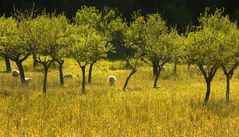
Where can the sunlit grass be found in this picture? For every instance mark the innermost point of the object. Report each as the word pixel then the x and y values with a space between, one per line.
pixel 174 109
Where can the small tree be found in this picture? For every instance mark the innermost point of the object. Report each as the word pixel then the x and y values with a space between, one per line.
pixel 160 44
pixel 229 49
pixel 13 43
pixel 83 41
pixel 204 47
pixel 23 16
pixel 92 17
pixel 178 51
pixel 61 42
pixel 155 28
pixel 133 46
pixel 44 33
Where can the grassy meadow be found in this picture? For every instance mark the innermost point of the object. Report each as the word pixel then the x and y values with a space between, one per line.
pixel 174 109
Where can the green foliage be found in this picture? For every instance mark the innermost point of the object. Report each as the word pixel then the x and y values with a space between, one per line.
pixel 203 47
pixel 213 41
pixel 86 44
pixel 12 39
pixel 159 41
pixel 88 16
pixel 47 35
pixel 99 37
pixel 133 43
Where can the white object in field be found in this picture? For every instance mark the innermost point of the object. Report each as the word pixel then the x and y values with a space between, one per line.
pixel 163 68
pixel 112 80
pixel 28 80
pixel 15 73
pixel 68 76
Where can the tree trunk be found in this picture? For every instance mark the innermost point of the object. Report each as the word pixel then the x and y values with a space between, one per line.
pixel 34 60
pixel 45 77
pixel 83 79
pixel 155 63
pixel 228 88
pixel 21 70
pixel 90 73
pixel 208 91
pixel 189 65
pixel 156 78
pixel 175 68
pixel 127 80
pixel 228 75
pixel 8 65
pixel 61 72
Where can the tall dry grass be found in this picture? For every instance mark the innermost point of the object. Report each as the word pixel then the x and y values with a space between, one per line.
pixel 174 109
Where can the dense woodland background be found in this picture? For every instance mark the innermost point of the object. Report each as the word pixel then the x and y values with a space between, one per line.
pixel 176 12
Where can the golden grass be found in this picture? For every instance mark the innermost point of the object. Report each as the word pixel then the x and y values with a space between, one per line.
pixel 174 109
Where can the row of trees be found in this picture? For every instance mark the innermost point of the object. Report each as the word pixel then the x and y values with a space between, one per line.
pixel 212 45
pixel 50 37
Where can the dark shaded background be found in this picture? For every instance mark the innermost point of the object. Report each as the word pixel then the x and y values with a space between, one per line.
pixel 175 12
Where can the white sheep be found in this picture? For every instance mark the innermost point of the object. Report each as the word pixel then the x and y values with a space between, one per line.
pixel 68 76
pixel 112 80
pixel 15 73
pixel 28 80
pixel 163 68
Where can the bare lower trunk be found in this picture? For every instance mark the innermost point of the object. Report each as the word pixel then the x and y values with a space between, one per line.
pixel 45 78
pixel 155 63
pixel 189 65
pixel 175 68
pixel 21 70
pixel 228 74
pixel 228 88
pixel 208 74
pixel 208 91
pixel 8 65
pixel 156 79
pixel 34 60
pixel 127 80
pixel 90 73
pixel 61 73
pixel 83 79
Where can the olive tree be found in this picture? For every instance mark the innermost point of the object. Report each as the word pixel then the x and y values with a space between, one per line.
pixel 204 47
pixel 230 53
pixel 99 20
pixel 83 41
pixel 160 43
pixel 13 43
pixel 45 34
pixel 155 29
pixel 133 45
pixel 62 32
pixel 229 39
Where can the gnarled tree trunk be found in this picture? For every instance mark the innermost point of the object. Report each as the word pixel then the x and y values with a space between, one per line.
pixel 228 75
pixel 34 56
pixel 61 71
pixel 155 63
pixel 208 76
pixel 21 70
pixel 207 91
pixel 157 76
pixel 83 79
pixel 127 80
pixel 90 73
pixel 45 78
pixel 8 64
pixel 175 67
